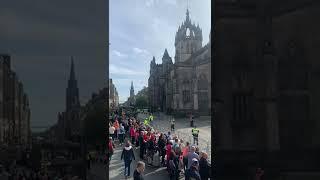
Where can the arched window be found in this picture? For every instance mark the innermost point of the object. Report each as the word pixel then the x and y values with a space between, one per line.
pixel 186 94
pixel 188 32
pixel 202 82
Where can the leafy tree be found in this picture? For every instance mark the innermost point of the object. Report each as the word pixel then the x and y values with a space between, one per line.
pixel 142 98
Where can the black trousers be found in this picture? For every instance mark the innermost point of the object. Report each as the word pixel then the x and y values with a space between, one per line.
pixel 141 151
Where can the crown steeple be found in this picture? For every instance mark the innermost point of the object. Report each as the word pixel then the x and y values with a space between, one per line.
pixel 187 15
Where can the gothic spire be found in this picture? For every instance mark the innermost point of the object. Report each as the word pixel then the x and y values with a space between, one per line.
pixel 72 73
pixel 187 18
pixel 165 54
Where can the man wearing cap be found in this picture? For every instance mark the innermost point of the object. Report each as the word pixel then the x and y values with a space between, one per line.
pixel 193 171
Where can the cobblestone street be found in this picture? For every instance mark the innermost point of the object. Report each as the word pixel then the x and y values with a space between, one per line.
pixel 116 168
pixel 183 129
pixel 161 123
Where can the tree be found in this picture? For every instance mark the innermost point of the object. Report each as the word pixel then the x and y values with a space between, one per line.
pixel 141 102
pixel 142 98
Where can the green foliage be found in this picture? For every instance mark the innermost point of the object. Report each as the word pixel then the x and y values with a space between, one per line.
pixel 142 99
pixel 141 102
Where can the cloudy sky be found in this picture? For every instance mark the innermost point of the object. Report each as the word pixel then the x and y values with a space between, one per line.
pixel 41 35
pixel 141 29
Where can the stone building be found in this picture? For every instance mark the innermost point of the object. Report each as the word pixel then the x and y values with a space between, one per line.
pixel 185 85
pixel 14 107
pixel 266 83
pixel 113 95
pixel 69 121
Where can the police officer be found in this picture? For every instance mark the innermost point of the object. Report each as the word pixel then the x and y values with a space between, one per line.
pixel 150 119
pixel 195 134
pixel 146 122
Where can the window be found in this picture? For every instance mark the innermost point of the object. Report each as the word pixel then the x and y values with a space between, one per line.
pixel 202 82
pixel 242 108
pixel 186 96
pixel 188 32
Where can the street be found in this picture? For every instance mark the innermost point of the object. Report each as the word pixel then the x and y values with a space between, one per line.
pixel 116 168
pixel 183 129
pixel 161 123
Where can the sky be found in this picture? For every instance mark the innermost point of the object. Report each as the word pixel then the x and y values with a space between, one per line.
pixel 141 29
pixel 41 35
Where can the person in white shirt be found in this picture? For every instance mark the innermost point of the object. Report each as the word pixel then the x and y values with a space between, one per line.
pixel 111 131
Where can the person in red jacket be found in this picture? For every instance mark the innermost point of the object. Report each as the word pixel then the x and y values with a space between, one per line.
pixel 145 140
pixel 168 151
pixel 136 137
pixel 132 134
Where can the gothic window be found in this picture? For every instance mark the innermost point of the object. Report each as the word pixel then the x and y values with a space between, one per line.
pixel 242 107
pixel 186 96
pixel 202 82
pixel 188 32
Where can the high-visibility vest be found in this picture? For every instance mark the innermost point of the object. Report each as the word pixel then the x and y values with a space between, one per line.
pixel 151 118
pixel 146 122
pixel 195 131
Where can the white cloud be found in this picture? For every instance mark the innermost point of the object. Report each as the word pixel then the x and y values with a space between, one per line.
pixel 118 70
pixel 119 54
pixel 150 3
pixel 139 51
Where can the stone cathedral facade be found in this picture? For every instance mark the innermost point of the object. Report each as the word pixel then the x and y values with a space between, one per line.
pixel 266 83
pixel 183 86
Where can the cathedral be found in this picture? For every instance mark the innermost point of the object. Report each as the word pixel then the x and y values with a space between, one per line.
pixel 266 86
pixel 183 86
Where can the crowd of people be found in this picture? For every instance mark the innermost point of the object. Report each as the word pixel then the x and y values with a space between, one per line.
pixel 157 149
pixel 15 173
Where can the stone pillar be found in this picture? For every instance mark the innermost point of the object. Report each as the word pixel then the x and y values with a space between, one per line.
pixel 272 122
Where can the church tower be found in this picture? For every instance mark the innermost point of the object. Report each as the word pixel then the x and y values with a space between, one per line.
pixel 131 90
pixel 166 62
pixel 72 113
pixel 152 65
pixel 72 90
pixel 188 39
pixel 131 98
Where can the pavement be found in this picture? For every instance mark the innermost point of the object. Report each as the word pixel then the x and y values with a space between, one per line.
pixel 116 168
pixel 161 123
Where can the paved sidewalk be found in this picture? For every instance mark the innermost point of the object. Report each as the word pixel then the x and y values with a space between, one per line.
pixel 116 168
pixel 183 129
